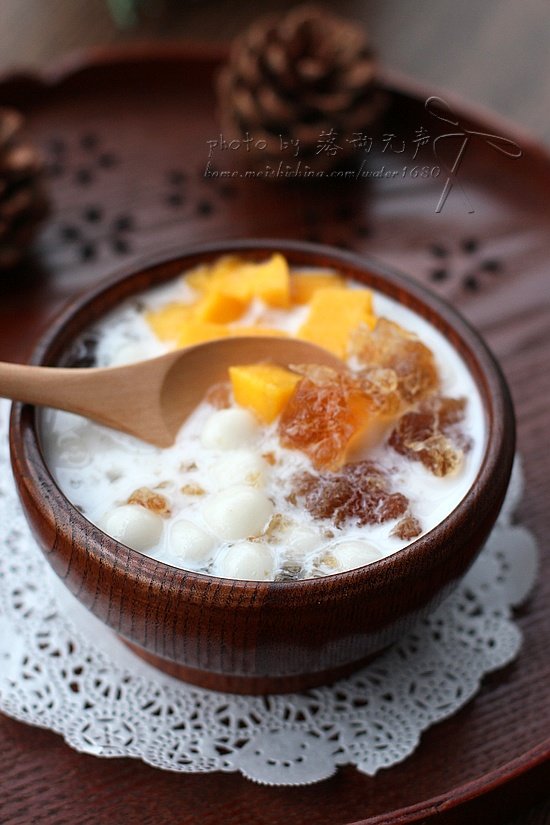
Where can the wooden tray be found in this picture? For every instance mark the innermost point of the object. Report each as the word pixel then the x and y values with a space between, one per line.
pixel 125 133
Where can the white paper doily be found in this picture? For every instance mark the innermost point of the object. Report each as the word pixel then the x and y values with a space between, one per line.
pixel 60 668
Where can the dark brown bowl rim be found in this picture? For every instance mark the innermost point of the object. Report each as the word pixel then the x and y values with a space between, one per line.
pixel 500 424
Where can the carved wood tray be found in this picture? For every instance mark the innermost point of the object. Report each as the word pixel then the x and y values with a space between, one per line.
pixel 126 133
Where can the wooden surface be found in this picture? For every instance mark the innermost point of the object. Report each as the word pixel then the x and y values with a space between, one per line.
pixel 492 264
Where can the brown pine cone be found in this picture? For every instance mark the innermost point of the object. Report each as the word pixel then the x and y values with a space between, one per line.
pixel 23 203
pixel 309 77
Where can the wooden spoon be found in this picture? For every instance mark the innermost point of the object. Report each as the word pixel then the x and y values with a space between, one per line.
pixel 151 399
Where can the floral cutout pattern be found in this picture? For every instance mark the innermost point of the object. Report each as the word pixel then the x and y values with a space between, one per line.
pixel 83 162
pixel 189 194
pixel 93 229
pixel 465 264
pixel 175 195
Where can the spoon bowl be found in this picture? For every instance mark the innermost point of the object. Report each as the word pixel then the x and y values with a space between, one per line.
pixel 151 399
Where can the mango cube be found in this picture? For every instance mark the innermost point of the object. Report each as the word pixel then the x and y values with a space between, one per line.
pixel 213 308
pixel 269 281
pixel 219 308
pixel 334 313
pixel 239 280
pixel 203 278
pixel 304 285
pixel 198 278
pixel 196 332
pixel 166 323
pixel 263 388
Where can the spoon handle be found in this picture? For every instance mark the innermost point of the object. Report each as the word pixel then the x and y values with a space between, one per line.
pixel 119 397
pixel 74 390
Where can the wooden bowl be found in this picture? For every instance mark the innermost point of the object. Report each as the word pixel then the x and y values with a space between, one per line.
pixel 262 637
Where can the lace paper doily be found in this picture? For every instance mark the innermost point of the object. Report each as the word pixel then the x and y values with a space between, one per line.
pixel 60 668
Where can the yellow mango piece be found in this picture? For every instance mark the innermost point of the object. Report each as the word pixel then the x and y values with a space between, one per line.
pixel 224 265
pixel 167 322
pixel 196 332
pixel 220 308
pixel 206 277
pixel 303 285
pixel 199 278
pixel 255 331
pixel 269 281
pixel 263 388
pixel 242 281
pixel 334 313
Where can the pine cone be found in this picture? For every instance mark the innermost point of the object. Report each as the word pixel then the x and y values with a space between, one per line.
pixel 309 77
pixel 23 203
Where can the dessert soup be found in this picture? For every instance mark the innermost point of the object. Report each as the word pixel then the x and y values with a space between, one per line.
pixel 279 474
